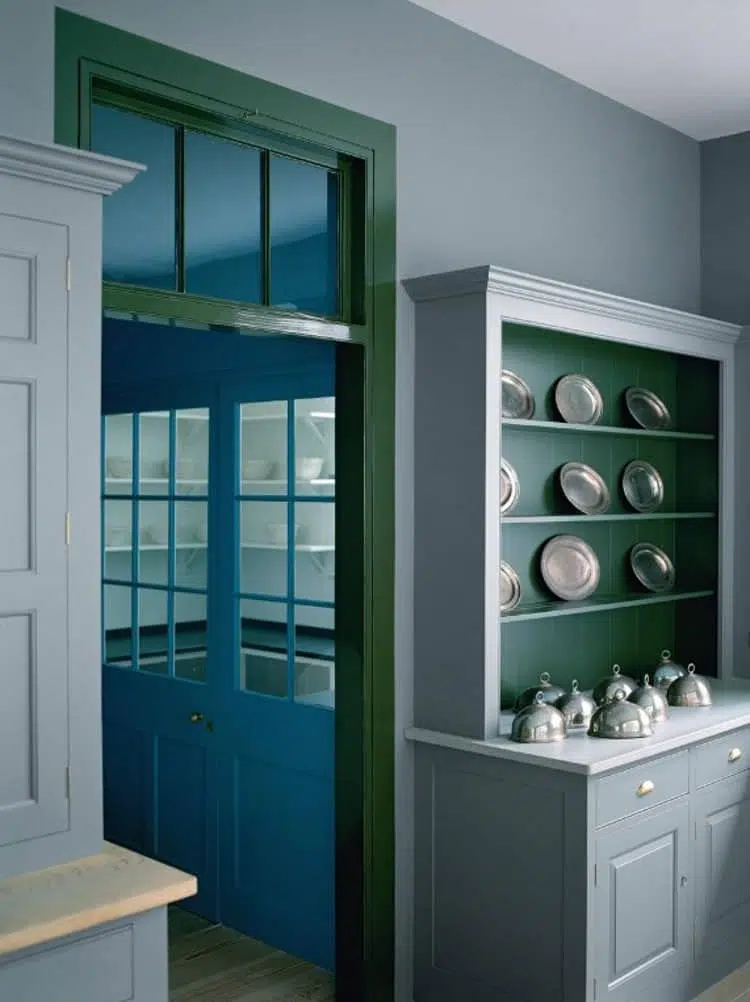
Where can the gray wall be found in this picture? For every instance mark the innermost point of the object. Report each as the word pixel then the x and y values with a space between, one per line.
pixel 500 161
pixel 725 294
pixel 725 228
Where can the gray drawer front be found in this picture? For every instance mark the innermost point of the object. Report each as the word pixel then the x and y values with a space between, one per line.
pixel 641 787
pixel 95 969
pixel 721 757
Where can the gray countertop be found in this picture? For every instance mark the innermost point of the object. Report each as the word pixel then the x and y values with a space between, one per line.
pixel 592 756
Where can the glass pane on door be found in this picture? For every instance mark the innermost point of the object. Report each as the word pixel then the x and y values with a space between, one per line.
pixel 263 647
pixel 285 548
pixel 165 522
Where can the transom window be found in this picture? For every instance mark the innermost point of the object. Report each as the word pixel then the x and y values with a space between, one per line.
pixel 223 212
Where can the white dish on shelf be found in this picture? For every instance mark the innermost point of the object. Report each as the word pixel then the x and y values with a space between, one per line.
pixel 258 469
pixel 119 535
pixel 119 467
pixel 308 467
pixel 278 533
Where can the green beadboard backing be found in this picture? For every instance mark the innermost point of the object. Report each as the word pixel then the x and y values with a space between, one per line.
pixel 585 646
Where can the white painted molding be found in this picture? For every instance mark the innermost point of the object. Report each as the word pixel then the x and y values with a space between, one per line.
pixel 65 166
pixel 518 285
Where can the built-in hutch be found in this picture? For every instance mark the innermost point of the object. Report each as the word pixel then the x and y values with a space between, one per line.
pixel 80 920
pixel 590 869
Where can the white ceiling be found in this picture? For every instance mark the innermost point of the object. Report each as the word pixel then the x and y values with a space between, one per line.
pixel 683 62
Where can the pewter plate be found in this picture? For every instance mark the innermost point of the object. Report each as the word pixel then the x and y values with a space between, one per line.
pixel 510 588
pixel 510 489
pixel 584 488
pixel 570 568
pixel 578 400
pixel 646 409
pixel 642 486
pixel 517 398
pixel 652 567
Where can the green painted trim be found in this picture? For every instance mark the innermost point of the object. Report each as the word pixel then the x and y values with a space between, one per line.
pixel 86 51
pixel 169 304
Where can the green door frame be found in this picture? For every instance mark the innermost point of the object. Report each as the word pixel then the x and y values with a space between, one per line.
pixel 87 51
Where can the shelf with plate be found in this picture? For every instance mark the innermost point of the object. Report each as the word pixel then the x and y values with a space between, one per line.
pixel 531 424
pixel 596 604
pixel 658 516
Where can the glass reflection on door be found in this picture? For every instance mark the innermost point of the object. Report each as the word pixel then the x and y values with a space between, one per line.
pixel 155 542
pixel 285 545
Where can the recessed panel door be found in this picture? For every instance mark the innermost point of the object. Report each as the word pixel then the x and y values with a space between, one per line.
pixel 277 735
pixel 159 690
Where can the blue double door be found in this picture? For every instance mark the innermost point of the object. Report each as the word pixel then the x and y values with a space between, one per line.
pixel 218 642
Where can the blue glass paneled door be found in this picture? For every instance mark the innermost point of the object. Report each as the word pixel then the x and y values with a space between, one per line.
pixel 218 590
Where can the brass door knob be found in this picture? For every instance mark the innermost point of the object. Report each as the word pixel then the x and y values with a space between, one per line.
pixel 735 755
pixel 645 788
pixel 196 718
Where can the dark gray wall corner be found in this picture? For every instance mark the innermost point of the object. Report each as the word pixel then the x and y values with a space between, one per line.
pixel 725 228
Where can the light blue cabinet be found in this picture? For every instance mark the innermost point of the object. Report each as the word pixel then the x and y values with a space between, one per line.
pixel 123 961
pixel 722 877
pixel 552 873
pixel 50 316
pixel 642 914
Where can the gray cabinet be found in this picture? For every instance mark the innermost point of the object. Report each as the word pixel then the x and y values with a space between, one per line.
pixel 540 875
pixel 50 320
pixel 722 877
pixel 642 913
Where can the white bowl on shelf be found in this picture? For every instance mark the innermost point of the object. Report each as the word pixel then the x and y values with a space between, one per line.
pixel 119 468
pixel 258 469
pixel 277 533
pixel 308 467
pixel 118 535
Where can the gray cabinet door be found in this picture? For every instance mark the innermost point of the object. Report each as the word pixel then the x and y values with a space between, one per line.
pixel 722 870
pixel 33 551
pixel 642 907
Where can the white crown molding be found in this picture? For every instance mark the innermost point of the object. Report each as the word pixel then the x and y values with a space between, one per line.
pixel 520 286
pixel 65 166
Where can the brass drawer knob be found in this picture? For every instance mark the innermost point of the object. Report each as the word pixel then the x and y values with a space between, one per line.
pixel 646 786
pixel 735 754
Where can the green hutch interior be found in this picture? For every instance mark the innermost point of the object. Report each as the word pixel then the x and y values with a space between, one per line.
pixel 621 623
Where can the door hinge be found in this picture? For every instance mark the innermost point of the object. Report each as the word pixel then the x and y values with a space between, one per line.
pixel 67 528
pixel 595 988
pixel 67 782
pixel 67 274
pixel 596 875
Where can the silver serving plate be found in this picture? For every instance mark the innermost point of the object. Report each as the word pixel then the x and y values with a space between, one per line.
pixel 510 489
pixel 584 488
pixel 517 398
pixel 510 588
pixel 578 400
pixel 652 567
pixel 570 568
pixel 646 409
pixel 642 486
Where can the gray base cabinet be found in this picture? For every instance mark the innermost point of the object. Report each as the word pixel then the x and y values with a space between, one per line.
pixel 119 962
pixel 537 882
pixel 642 907
pixel 722 877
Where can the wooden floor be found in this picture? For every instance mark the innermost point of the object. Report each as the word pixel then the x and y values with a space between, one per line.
pixel 210 963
